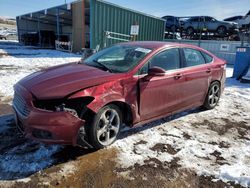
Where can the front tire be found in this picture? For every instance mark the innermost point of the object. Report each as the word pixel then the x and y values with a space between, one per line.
pixel 190 31
pixel 222 30
pixel 105 127
pixel 213 96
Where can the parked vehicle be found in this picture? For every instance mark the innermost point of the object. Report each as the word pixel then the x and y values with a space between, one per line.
pixel 6 33
pixel 176 36
pixel 208 24
pixel 172 23
pixel 86 103
pixel 242 21
pixel 2 37
pixel 236 19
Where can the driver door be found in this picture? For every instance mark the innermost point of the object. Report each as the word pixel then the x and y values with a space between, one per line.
pixel 211 23
pixel 160 95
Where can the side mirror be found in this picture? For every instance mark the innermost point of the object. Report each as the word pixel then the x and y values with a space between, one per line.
pixel 156 71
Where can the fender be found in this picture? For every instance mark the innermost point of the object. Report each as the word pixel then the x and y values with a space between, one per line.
pixel 115 91
pixel 102 94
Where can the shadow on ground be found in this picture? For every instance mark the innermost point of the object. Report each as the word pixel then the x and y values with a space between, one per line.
pixel 20 157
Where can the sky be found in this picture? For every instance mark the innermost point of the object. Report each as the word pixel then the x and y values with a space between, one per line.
pixel 219 9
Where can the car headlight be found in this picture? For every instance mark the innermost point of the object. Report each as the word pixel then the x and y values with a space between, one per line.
pixel 74 106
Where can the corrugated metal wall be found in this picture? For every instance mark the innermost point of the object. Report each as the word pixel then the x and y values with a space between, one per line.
pixel 222 49
pixel 77 26
pixel 25 26
pixel 105 16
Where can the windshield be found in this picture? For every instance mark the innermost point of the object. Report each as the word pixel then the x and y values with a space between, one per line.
pixel 117 59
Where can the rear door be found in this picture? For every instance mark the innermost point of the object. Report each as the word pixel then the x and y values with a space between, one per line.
pixel 198 23
pixel 197 77
pixel 161 95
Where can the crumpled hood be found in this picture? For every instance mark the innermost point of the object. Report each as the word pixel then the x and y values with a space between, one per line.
pixel 60 81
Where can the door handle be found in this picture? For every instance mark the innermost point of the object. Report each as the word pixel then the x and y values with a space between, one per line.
pixel 178 76
pixel 209 70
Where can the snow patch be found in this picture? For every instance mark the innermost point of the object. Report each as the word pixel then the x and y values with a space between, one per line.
pixel 21 162
pixel 22 61
pixel 207 142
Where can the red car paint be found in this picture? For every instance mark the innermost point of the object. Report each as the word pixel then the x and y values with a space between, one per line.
pixel 147 99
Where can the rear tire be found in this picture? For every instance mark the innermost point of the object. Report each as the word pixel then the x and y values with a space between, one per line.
pixel 213 96
pixel 105 127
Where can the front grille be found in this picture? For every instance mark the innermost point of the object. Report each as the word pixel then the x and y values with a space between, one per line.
pixel 20 105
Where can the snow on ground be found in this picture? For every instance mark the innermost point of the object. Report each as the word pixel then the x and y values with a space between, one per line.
pixel 18 157
pixel 18 62
pixel 213 143
pixel 14 162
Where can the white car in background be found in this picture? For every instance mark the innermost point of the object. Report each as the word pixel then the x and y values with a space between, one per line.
pixel 6 33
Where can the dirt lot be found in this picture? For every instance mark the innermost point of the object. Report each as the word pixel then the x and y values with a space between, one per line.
pixel 77 167
pixel 195 148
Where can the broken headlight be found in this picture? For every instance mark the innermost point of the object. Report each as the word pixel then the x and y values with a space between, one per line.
pixel 75 106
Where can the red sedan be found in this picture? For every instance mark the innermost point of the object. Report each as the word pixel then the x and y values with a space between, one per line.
pixel 86 103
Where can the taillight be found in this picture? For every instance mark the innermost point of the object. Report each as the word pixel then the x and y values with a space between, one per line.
pixel 224 66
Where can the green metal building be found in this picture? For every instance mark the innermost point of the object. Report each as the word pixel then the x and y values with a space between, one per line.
pixel 86 24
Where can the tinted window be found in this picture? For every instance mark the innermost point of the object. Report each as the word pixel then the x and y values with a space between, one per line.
pixel 208 58
pixel 197 19
pixel 168 60
pixel 193 57
pixel 170 19
pixel 194 19
pixel 208 19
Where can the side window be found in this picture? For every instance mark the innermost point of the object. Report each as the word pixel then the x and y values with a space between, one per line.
pixel 171 19
pixel 193 57
pixel 208 58
pixel 194 19
pixel 168 60
pixel 208 19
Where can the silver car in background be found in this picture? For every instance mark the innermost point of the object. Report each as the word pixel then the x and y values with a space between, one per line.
pixel 208 24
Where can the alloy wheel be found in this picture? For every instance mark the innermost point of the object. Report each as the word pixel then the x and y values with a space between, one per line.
pixel 214 95
pixel 108 127
pixel 221 30
pixel 190 31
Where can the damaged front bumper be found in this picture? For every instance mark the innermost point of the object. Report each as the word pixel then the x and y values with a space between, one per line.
pixel 46 126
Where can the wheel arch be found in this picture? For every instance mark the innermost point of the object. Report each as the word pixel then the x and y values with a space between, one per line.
pixel 221 26
pixel 215 81
pixel 226 28
pixel 127 115
pixel 190 27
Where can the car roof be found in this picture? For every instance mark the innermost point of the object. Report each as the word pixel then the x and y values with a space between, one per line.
pixel 168 16
pixel 199 16
pixel 157 44
pixel 233 18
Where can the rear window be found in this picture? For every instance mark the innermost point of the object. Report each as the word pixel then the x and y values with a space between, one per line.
pixel 207 57
pixel 193 57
